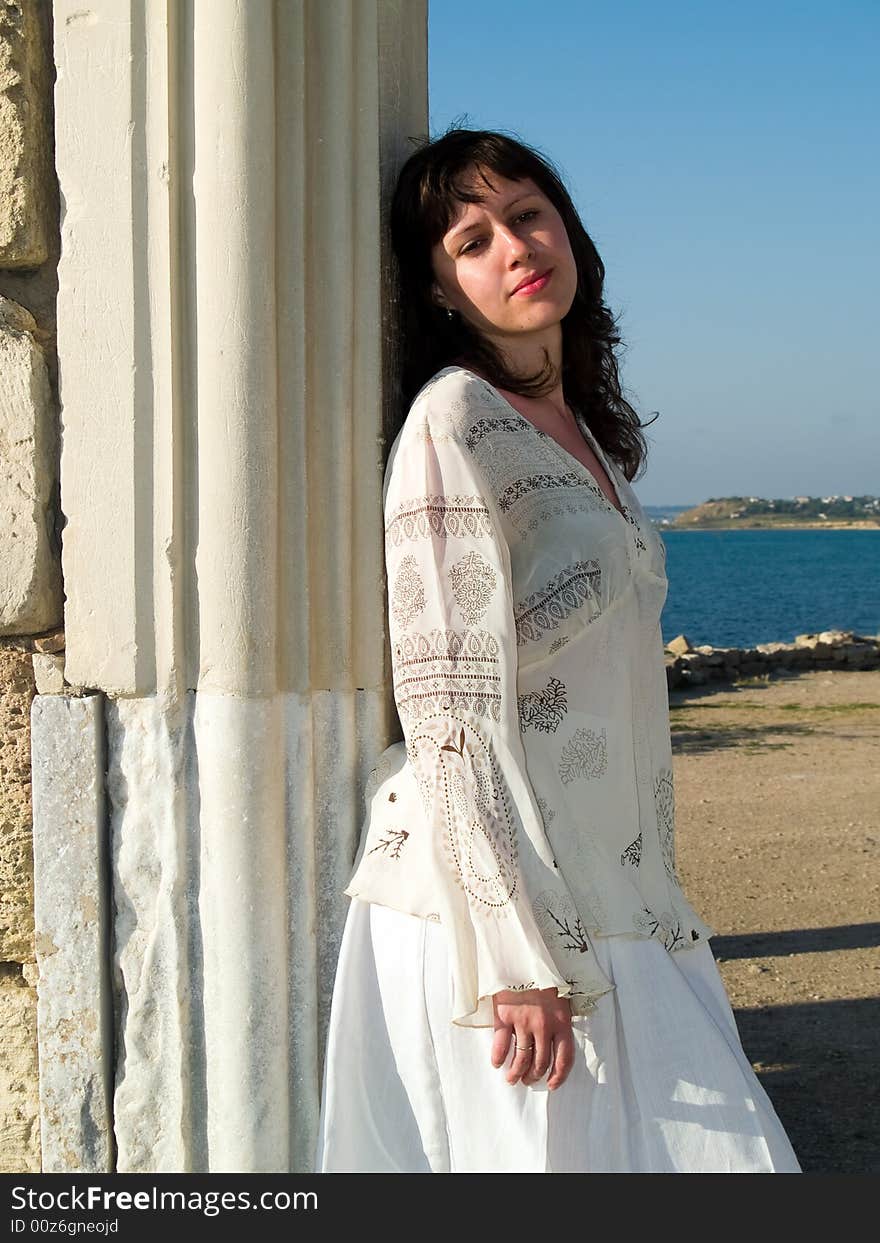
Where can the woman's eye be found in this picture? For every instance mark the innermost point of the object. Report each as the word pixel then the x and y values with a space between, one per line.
pixel 479 241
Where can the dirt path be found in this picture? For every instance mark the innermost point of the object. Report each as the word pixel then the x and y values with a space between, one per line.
pixel 778 835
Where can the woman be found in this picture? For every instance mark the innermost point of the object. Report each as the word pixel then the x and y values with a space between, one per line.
pixel 522 984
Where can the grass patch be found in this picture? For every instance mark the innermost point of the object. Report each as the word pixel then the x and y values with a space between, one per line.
pixel 696 706
pixel 750 705
pixel 744 728
pixel 852 707
pixel 756 748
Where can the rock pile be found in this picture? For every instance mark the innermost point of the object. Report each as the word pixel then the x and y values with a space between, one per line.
pixel 831 649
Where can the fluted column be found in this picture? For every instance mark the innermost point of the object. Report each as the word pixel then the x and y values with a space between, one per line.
pixel 225 167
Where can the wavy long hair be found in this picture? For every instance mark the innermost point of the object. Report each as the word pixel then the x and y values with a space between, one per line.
pixel 431 185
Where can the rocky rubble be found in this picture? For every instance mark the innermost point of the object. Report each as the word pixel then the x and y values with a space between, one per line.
pixel 830 649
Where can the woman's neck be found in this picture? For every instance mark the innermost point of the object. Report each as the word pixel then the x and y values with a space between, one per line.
pixel 526 361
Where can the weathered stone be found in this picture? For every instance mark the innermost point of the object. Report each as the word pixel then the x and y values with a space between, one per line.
pixel 831 647
pixel 19 1086
pixel 30 576
pixel 679 645
pixel 862 655
pixel 25 136
pixel 836 636
pixel 53 642
pixel 673 676
pixel 16 855
pixel 706 660
pixel 156 924
pixel 49 672
pixel 71 933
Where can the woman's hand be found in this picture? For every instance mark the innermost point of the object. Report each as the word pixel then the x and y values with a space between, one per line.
pixel 539 1017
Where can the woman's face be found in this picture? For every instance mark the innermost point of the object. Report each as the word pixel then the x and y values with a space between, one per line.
pixel 490 248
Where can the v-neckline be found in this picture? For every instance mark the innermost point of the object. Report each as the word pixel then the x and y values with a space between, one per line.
pixel 561 449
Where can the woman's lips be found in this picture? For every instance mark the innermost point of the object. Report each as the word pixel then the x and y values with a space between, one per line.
pixel 536 286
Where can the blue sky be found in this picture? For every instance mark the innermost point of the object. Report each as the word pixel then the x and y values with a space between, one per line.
pixel 724 159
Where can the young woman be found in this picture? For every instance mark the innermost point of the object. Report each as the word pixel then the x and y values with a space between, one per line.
pixel 522 984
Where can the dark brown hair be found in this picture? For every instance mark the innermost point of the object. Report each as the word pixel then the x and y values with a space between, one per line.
pixel 430 186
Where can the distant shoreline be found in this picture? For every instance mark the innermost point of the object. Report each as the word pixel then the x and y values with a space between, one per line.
pixel 769 526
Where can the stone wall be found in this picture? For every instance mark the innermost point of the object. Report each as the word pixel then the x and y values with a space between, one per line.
pixel 830 649
pixel 135 586
pixel 31 597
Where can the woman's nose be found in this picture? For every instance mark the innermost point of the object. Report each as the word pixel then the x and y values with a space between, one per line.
pixel 518 247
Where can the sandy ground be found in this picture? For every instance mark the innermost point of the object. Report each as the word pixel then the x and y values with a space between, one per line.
pixel 778 833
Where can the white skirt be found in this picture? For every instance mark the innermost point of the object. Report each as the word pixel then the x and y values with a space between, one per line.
pixel 660 1083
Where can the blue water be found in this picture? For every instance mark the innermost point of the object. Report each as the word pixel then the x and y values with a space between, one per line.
pixel 739 588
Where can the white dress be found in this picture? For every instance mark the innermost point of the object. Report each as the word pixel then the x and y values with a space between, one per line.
pixel 522 834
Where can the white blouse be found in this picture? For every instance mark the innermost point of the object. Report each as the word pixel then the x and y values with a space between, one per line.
pixel 530 806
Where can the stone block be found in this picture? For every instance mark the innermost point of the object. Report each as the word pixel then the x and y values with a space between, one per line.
pixel 673 676
pixel 25 136
pixel 49 672
pixel 862 655
pixel 836 636
pixel 19 1081
pixel 71 933
pixel 16 853
pixel 52 642
pixel 31 598
pixel 679 645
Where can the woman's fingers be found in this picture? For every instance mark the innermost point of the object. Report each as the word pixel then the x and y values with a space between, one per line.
pixel 501 1045
pixel 524 1050
pixel 537 1025
pixel 541 1059
pixel 563 1058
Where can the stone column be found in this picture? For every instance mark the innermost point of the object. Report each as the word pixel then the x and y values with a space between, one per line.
pixel 224 168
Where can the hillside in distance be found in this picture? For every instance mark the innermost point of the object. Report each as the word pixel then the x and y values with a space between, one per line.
pixel 795 511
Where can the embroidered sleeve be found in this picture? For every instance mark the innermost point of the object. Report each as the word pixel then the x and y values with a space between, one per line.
pixel 454 653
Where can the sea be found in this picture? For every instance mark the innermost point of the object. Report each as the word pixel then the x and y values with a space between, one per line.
pixel 740 588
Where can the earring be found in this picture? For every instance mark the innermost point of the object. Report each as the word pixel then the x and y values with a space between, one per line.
pixel 450 314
